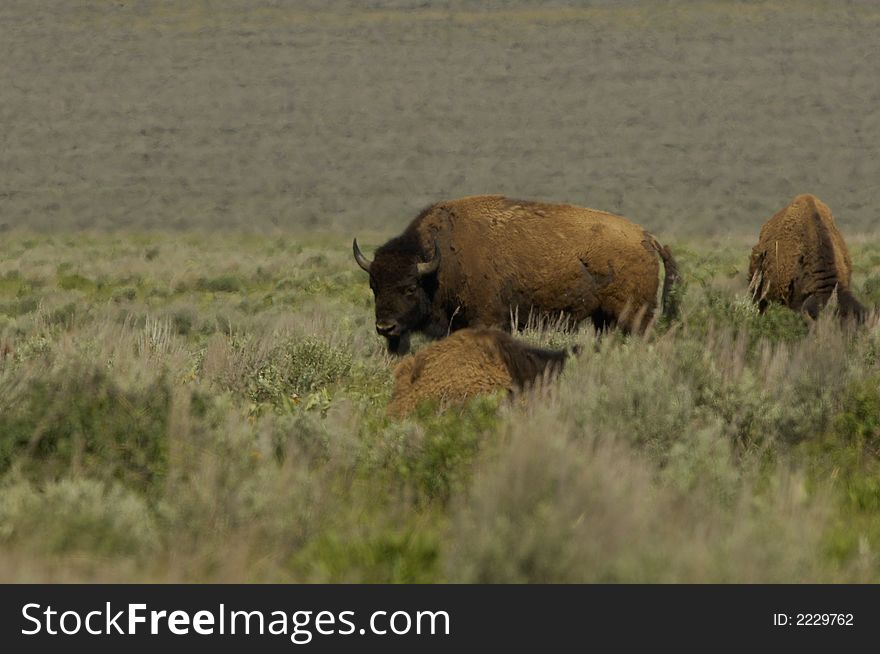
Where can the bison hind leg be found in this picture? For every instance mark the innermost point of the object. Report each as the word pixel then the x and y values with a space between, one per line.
pixel 603 321
pixel 635 319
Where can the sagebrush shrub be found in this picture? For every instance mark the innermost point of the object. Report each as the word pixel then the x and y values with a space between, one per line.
pixel 79 420
pixel 77 516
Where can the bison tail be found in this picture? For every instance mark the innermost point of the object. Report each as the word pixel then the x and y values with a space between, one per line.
pixel 671 294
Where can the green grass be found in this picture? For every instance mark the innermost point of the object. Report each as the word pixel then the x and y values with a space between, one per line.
pixel 212 408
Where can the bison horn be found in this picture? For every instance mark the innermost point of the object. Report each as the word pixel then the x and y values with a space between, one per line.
pixel 363 262
pixel 430 266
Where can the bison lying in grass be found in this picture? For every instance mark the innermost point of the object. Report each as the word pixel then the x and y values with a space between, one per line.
pixel 478 261
pixel 468 363
pixel 801 259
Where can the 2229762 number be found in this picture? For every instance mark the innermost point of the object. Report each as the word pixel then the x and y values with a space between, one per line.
pixel 824 619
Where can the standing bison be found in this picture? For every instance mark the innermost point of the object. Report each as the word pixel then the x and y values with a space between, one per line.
pixel 468 363
pixel 479 260
pixel 800 260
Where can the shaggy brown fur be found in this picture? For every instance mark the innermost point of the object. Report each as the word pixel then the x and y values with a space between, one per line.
pixel 800 260
pixel 470 362
pixel 499 257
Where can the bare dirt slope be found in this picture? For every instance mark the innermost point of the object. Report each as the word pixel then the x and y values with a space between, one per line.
pixel 697 117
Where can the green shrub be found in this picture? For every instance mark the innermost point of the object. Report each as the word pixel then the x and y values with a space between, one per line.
pixel 778 323
pixel 221 284
pixel 437 455
pixel 294 369
pixel 871 291
pixel 63 316
pixel 649 406
pixel 125 294
pixel 76 282
pixel 375 552
pixel 19 307
pixel 183 320
pixel 859 419
pixel 717 309
pixel 76 516
pixel 80 420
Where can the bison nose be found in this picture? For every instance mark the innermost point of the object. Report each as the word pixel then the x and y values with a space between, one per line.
pixel 387 328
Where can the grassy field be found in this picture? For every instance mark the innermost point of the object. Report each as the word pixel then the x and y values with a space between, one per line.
pixel 196 407
pixel 191 387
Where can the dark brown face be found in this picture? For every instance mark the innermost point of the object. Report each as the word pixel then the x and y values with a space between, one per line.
pixel 401 285
pixel 402 303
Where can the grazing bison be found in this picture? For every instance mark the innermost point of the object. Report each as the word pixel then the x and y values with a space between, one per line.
pixel 478 261
pixel 800 260
pixel 470 362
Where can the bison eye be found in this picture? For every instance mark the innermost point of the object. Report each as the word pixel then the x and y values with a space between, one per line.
pixel 410 290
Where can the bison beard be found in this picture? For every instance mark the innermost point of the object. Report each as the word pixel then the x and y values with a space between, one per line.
pixel 398 344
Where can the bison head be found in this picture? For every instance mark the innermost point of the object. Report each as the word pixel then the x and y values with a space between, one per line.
pixel 402 286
